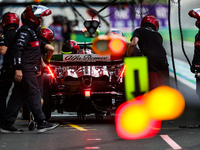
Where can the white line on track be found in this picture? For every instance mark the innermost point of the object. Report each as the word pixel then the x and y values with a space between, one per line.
pixel 91 147
pixel 94 139
pixel 171 143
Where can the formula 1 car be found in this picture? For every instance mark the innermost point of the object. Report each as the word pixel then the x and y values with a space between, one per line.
pixel 84 83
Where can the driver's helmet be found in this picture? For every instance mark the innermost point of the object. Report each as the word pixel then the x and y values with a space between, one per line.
pixel 116 31
pixel 32 14
pixel 47 34
pixel 195 13
pixel 10 19
pixel 150 20
pixel 85 51
pixel 70 47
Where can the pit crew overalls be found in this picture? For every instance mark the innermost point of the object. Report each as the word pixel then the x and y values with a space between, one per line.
pixel 6 73
pixel 195 68
pixel 28 49
pixel 150 44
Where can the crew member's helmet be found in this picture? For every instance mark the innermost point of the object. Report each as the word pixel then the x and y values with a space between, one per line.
pixel 195 13
pixel 10 19
pixel 32 14
pixel 47 34
pixel 151 21
pixel 70 47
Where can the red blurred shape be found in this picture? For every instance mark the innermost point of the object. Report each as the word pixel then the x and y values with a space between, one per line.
pixel 122 72
pixel 150 128
pixel 87 93
pixel 51 72
pixel 91 12
pixel 117 46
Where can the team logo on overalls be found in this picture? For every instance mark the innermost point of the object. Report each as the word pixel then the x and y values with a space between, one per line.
pixel 35 44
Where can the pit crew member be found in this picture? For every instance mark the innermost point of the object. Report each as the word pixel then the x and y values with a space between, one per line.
pixel 46 37
pixel 150 43
pixel 195 68
pixel 10 24
pixel 27 58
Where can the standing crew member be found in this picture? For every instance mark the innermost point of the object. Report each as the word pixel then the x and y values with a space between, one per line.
pixel 10 24
pixel 150 43
pixel 46 37
pixel 195 68
pixel 27 59
pixel 66 29
pixel 56 26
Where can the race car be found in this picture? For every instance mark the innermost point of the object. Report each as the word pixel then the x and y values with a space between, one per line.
pixel 84 82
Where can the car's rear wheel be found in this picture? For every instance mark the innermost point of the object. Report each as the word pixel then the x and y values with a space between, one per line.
pixel 47 96
pixel 81 116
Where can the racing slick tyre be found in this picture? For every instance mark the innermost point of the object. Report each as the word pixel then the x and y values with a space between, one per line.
pixel 46 96
pixel 81 116
pixel 99 116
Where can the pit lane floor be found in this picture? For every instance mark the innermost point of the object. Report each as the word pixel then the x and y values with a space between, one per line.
pixel 93 134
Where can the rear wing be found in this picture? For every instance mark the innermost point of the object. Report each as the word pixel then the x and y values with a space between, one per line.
pixel 85 60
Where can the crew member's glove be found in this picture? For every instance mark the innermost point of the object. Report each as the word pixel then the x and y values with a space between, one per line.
pixel 46 60
pixel 195 68
pixel 192 69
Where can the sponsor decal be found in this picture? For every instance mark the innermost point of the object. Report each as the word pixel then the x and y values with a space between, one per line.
pixel 20 44
pixel 197 43
pixel 48 12
pixel 35 43
pixel 85 57
pixel 22 33
pixel 21 40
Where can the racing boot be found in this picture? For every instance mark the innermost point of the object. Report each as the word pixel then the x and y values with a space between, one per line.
pixel 10 129
pixel 46 126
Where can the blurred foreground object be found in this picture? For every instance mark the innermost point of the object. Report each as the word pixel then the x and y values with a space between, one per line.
pixel 109 44
pixel 141 117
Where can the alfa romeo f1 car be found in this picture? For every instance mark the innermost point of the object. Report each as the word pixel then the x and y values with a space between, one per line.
pixel 84 83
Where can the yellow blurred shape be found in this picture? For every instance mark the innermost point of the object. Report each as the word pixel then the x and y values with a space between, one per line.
pixel 117 45
pixel 164 103
pixel 109 45
pixel 134 119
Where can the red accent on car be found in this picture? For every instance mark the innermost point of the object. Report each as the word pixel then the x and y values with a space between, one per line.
pixel 51 72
